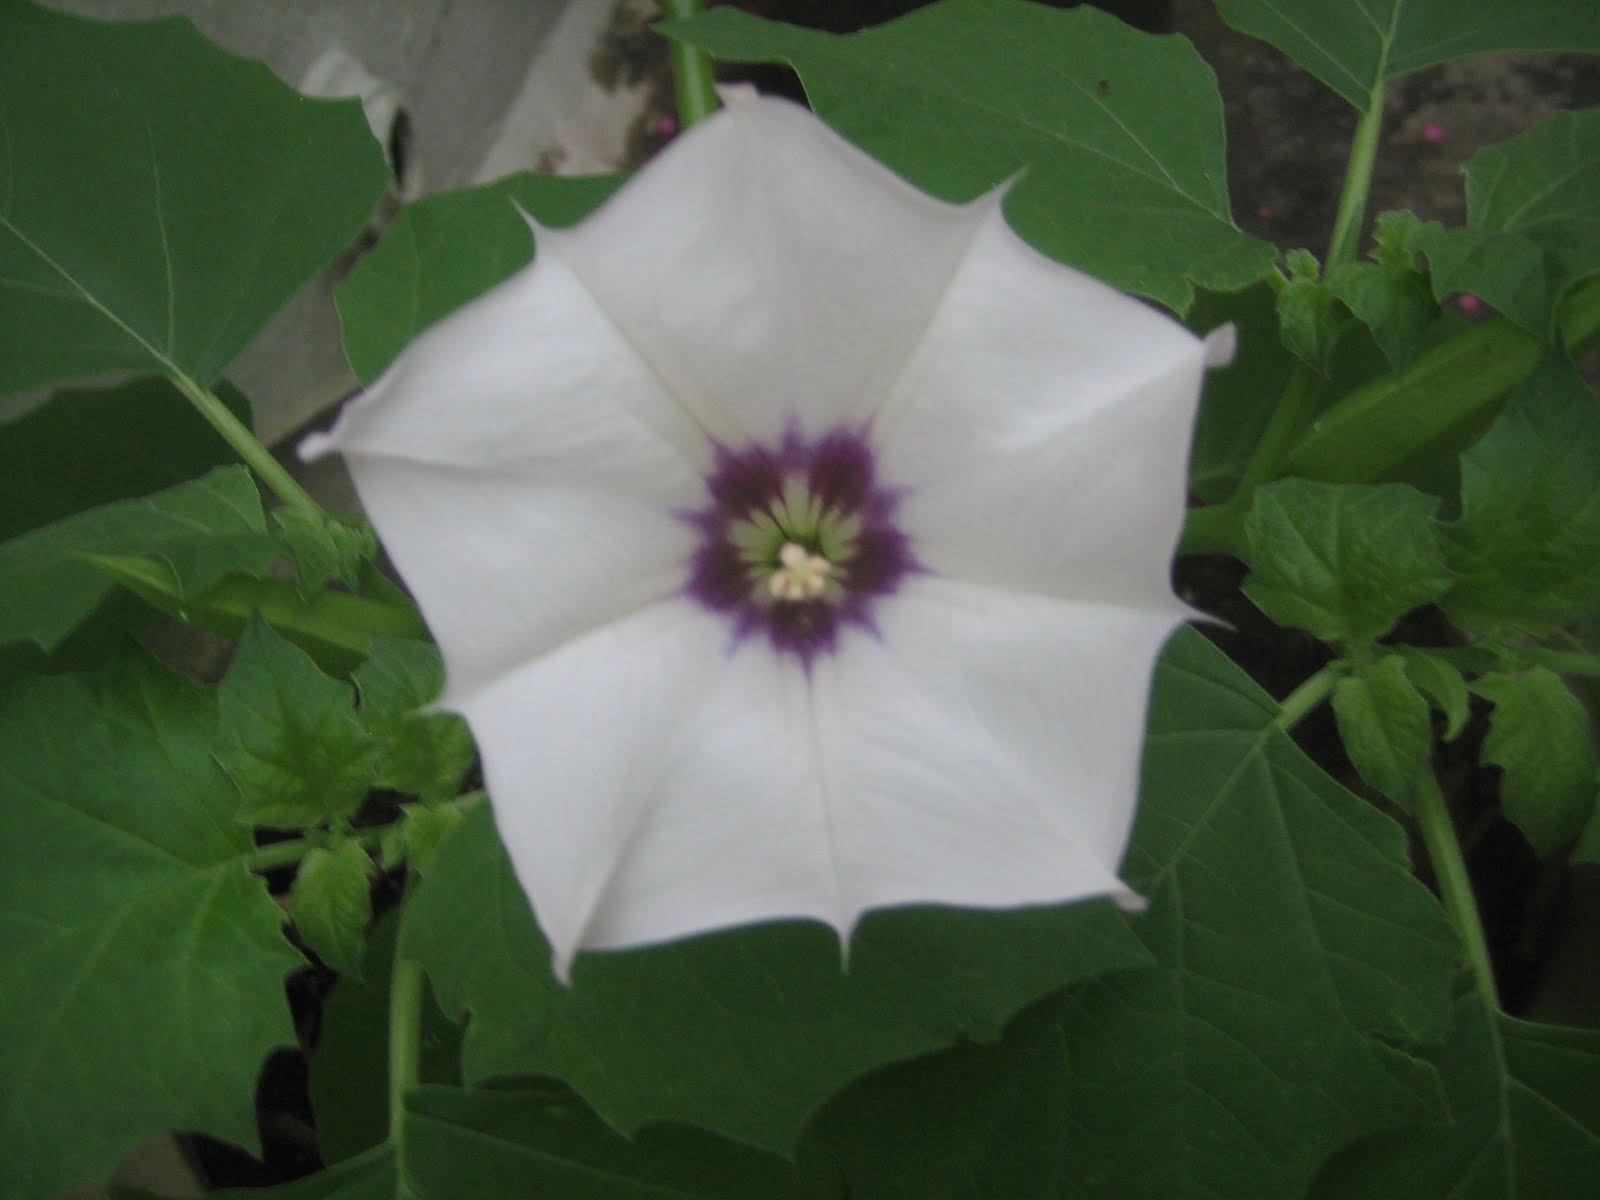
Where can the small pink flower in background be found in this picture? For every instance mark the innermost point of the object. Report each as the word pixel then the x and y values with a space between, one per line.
pixel 797 544
pixel 1468 303
pixel 1433 131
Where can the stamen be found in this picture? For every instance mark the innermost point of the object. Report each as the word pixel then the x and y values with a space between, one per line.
pixel 800 575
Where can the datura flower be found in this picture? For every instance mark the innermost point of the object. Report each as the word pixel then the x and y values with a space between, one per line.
pixel 796 543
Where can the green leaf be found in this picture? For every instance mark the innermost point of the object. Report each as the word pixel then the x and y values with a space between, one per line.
pixel 1539 737
pixel 1354 48
pixel 371 1177
pixel 143 965
pixel 1297 959
pixel 331 903
pixel 966 95
pixel 1533 219
pixel 1237 401
pixel 323 547
pixel 204 530
pixel 1524 545
pixel 135 235
pixel 974 1121
pixel 289 737
pixel 1309 314
pixel 445 250
pixel 541 1141
pixel 1525 1106
pixel 1294 949
pixel 420 753
pixel 1442 683
pixel 93 447
pixel 748 1030
pixel 1343 561
pixel 418 833
pixel 1384 724
pixel 1390 296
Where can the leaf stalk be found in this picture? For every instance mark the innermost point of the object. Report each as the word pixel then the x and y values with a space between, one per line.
pixel 692 76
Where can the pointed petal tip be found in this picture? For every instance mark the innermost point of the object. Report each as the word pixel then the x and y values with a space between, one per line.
pixel 1129 901
pixel 1220 344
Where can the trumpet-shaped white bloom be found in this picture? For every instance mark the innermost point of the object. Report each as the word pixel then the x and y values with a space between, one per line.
pixel 797 544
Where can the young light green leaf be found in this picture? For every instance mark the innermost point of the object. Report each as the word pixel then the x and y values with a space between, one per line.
pixel 418 833
pixel 1342 561
pixel 289 737
pixel 1525 1119
pixel 503 1144
pixel 1390 296
pixel 1384 724
pixel 1533 220
pixel 447 249
pixel 138 237
pixel 143 966
pixel 1309 315
pixel 1539 736
pixel 965 95
pixel 1442 683
pixel 1354 48
pixel 323 547
pixel 204 529
pixel 1524 545
pixel 87 448
pixel 331 903
pixel 420 753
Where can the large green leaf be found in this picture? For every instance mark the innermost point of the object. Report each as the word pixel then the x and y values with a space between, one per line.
pixel 1525 1107
pixel 1354 46
pixel 201 531
pixel 92 447
pixel 143 964
pixel 444 250
pixel 1117 135
pixel 1533 220
pixel 1297 960
pixel 538 1140
pixel 159 199
pixel 1524 545
pixel 744 1032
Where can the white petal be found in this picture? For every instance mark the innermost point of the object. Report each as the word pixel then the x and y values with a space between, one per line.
pixel 528 473
pixel 1042 430
pixel 771 272
pixel 650 781
pixel 507 569
pixel 986 749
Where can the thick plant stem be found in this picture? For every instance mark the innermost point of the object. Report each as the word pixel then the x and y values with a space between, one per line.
pixel 1267 459
pixel 1455 888
pixel 256 456
pixel 692 78
pixel 405 1055
pixel 1300 703
pixel 1352 212
pixel 1566 662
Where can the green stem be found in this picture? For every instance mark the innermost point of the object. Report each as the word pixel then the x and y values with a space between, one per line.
pixel 692 77
pixel 1455 888
pixel 1267 459
pixel 1300 703
pixel 1352 212
pixel 256 456
pixel 405 1055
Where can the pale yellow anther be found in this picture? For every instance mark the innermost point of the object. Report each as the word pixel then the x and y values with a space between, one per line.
pixel 801 575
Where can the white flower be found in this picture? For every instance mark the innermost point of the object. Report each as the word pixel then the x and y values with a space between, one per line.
pixel 797 544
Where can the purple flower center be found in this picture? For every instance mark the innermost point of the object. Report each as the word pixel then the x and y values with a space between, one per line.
pixel 797 540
